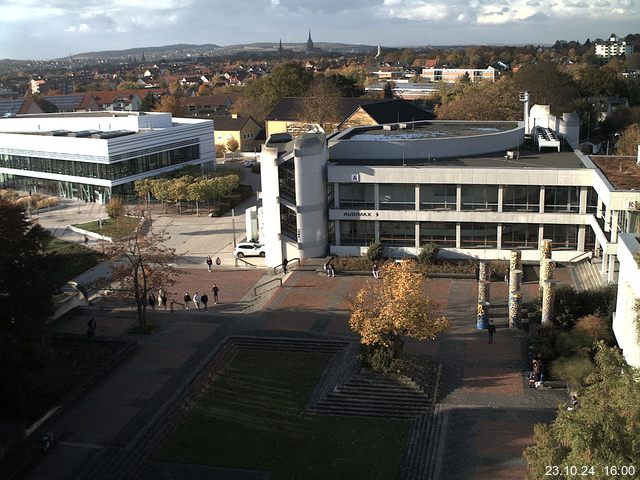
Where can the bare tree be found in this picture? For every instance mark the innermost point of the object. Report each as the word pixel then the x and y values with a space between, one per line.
pixel 321 105
pixel 141 263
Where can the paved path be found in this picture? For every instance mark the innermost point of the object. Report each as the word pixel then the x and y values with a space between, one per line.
pixel 491 413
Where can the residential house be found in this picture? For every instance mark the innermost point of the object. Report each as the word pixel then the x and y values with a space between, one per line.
pixel 75 102
pixel 244 130
pixel 606 106
pixel 19 106
pixel 452 75
pixel 207 105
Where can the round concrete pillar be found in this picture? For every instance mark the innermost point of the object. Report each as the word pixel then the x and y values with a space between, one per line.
pixel 545 248
pixel 515 260
pixel 484 291
pixel 548 297
pixel 515 307
pixel 484 271
pixel 482 319
pixel 515 280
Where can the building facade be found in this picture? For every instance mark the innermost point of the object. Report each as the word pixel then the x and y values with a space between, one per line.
pixel 614 47
pixel 453 75
pixel 92 156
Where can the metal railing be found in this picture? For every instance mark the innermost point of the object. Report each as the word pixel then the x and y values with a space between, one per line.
pixel 238 259
pixel 582 256
pixel 275 269
pixel 255 289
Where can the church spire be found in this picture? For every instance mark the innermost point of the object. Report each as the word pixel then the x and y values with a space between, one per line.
pixel 310 43
pixel 280 49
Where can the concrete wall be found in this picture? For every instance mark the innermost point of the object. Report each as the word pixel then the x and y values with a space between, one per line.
pixel 271 232
pixel 625 323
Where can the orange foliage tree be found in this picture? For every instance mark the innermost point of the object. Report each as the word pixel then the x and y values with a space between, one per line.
pixel 393 306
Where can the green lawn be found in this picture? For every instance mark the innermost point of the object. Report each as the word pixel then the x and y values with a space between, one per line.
pixel 71 259
pixel 110 228
pixel 251 417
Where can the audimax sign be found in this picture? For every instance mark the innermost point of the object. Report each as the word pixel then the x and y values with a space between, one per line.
pixel 359 214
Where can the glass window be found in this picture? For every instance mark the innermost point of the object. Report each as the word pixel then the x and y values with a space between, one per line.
pixel 442 234
pixel 519 235
pixel 397 197
pixel 480 197
pixel 564 237
pixel 398 234
pixel 478 235
pixel 562 199
pixel 438 197
pixel 287 180
pixel 288 221
pixel 357 232
pixel 521 198
pixel 357 196
pixel 592 200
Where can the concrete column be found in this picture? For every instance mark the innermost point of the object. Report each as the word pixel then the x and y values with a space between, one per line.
pixel 548 297
pixel 599 208
pixel 376 196
pixel 499 232
pixel 515 281
pixel 605 262
pixel 545 248
pixel 581 237
pixel 596 248
pixel 417 196
pixel 583 201
pixel 607 220
pixel 484 291
pixel 482 319
pixel 515 307
pixel 614 225
pixel 376 229
pixel 541 200
pixel 336 195
pixel 500 197
pixel 612 269
pixel 515 260
pixel 458 235
pixel 484 271
pixel 417 236
pixel 458 198
pixel 546 270
pixel 336 232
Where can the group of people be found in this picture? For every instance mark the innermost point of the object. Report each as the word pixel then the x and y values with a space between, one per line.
pixel 209 262
pixel 160 300
pixel 203 299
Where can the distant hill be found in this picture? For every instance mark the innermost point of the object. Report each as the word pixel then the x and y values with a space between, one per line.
pixel 183 49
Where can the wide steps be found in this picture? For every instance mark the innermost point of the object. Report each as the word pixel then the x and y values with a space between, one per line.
pixel 586 276
pixel 287 345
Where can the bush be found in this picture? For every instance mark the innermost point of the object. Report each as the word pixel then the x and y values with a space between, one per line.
pixel 115 208
pixel 595 327
pixel 428 254
pixel 574 370
pixel 382 359
pixel 375 251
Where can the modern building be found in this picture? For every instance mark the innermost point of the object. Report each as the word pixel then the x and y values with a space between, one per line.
pixel 626 320
pixel 94 155
pixel 614 47
pixel 453 75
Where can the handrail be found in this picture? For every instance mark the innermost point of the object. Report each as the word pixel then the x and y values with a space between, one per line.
pixel 255 289
pixel 244 261
pixel 588 254
pixel 275 269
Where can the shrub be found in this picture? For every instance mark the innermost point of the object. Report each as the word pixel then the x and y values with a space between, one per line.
pixel 375 251
pixel 594 326
pixel 115 208
pixel 382 359
pixel 428 254
pixel 574 370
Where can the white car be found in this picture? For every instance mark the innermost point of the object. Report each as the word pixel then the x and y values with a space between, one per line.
pixel 249 163
pixel 249 249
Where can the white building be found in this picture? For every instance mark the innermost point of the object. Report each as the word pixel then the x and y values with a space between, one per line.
pixel 626 321
pixel 453 75
pixel 94 155
pixel 613 47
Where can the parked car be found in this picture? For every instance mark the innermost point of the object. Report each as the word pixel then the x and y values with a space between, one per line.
pixel 249 163
pixel 249 249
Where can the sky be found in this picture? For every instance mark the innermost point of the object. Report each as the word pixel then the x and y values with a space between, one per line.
pixel 46 29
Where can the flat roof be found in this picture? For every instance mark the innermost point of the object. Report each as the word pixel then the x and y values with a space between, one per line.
pixel 527 156
pixel 622 172
pixel 425 130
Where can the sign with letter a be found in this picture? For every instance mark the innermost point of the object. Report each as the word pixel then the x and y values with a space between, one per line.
pixel 355 177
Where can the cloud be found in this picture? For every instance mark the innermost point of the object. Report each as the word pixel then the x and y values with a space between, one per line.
pixel 82 28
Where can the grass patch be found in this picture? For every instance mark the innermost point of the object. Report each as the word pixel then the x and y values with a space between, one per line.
pixel 251 417
pixel 70 259
pixel 110 228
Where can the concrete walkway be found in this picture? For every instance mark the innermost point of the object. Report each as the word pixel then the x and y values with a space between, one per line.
pixel 490 410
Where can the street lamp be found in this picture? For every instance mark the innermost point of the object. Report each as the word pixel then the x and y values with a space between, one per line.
pixel 233 225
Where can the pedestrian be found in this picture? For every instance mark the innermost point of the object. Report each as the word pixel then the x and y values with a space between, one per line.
pixel 374 270
pixel 152 301
pixel 204 299
pixel 91 327
pixel 215 291
pixel 187 299
pixel 209 262
pixel 86 239
pixel 218 261
pixel 506 278
pixel 196 300
pixel 284 265
pixel 332 271
pixel 163 300
pixel 575 403
pixel 491 329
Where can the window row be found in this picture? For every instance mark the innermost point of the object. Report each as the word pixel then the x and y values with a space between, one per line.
pixel 515 198
pixel 472 235
pixel 109 171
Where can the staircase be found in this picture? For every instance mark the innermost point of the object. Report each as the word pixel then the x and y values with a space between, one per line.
pixel 586 276
pixel 423 455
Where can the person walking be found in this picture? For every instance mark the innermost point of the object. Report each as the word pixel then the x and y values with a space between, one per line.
pixel 491 329
pixel 331 270
pixel 163 300
pixel 284 265
pixel 91 327
pixel 187 299
pixel 152 301
pixel 215 291
pixel 374 270
pixel 209 262
pixel 204 299
pixel 196 301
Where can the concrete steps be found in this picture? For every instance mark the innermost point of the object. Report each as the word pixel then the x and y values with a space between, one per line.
pixel 586 276
pixel 423 454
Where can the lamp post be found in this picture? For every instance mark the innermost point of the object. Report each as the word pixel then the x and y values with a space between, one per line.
pixel 233 225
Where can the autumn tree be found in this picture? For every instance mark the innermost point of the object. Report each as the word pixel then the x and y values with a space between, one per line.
pixel 321 105
pixel 480 100
pixel 171 103
pixel 393 306
pixel 547 86
pixel 600 433
pixel 629 140
pixel 115 208
pixel 232 145
pixel 141 263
